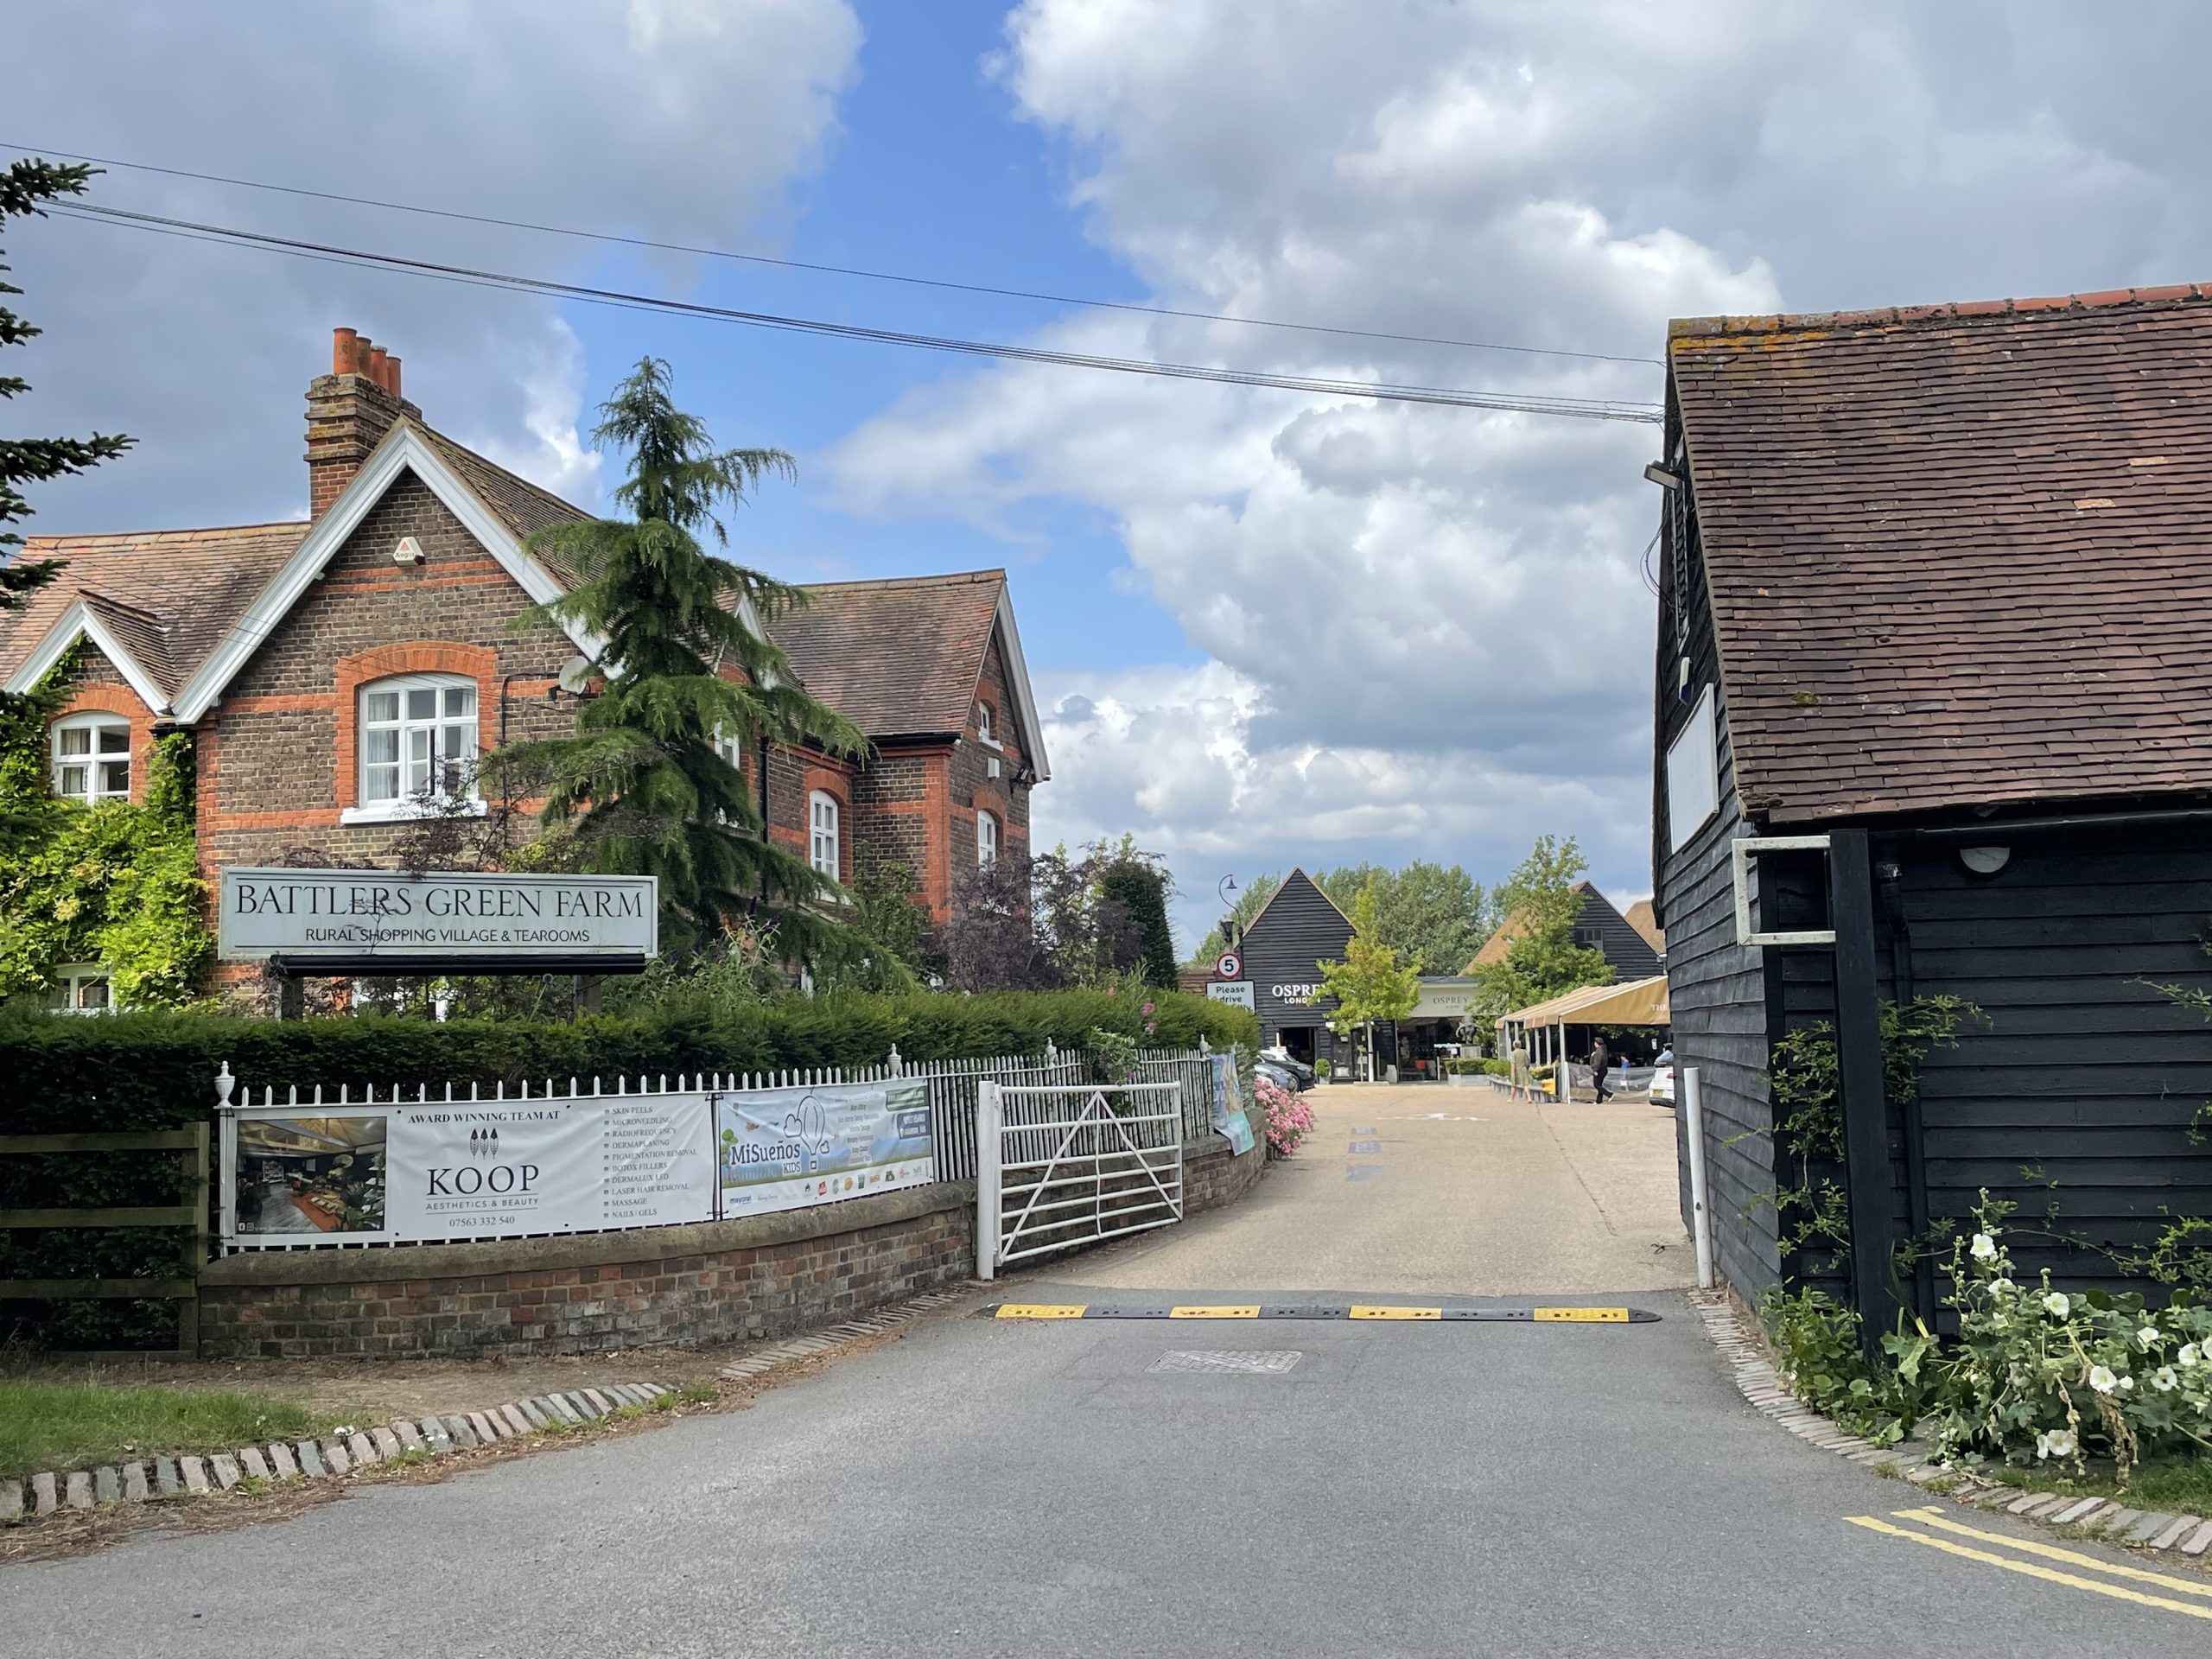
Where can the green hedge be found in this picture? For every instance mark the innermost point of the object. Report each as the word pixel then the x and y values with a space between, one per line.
pixel 154 1071
pixel 157 1071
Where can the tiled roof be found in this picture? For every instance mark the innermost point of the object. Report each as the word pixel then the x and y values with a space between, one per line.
pixel 1957 554
pixel 1644 917
pixel 169 596
pixel 520 504
pixel 897 657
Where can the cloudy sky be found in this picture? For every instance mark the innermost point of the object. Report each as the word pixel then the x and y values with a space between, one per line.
pixel 1266 627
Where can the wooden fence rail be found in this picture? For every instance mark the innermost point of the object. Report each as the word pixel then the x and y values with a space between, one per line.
pixel 192 1144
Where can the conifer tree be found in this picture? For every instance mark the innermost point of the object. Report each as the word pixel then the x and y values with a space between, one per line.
pixel 25 187
pixel 645 787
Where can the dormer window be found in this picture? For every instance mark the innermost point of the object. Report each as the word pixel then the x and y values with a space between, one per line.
pixel 983 728
pixel 92 759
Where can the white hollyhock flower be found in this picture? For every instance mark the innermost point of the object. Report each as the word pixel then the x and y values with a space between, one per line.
pixel 2058 1304
pixel 2055 1443
pixel 1985 1248
pixel 2165 1380
pixel 2103 1380
pixel 2189 1353
pixel 2003 1286
pixel 2149 1337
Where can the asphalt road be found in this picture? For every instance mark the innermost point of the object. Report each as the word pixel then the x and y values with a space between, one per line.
pixel 993 1488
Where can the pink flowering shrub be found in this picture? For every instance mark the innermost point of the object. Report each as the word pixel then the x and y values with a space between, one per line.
pixel 1289 1118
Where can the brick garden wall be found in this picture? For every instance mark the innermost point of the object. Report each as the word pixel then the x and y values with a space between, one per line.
pixel 761 1276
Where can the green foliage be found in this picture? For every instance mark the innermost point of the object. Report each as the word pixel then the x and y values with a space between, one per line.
pixel 1817 1349
pixel 1249 903
pixel 1435 914
pixel 643 786
pixel 1813 1211
pixel 1370 984
pixel 1137 883
pixel 1541 905
pixel 74 1425
pixel 115 883
pixel 1113 1055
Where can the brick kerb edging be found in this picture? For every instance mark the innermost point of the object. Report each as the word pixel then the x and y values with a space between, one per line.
pixel 341 1454
pixel 1762 1384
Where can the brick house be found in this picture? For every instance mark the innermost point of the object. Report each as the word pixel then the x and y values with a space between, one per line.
pixel 337 671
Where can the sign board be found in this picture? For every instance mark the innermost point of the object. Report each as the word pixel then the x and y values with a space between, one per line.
pixel 365 919
pixel 786 1148
pixel 1236 992
pixel 419 1172
pixel 1225 1108
pixel 1231 965
pixel 1303 991
pixel 424 1171
pixel 1443 998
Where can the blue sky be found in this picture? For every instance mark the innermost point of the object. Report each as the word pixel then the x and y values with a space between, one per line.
pixel 1265 628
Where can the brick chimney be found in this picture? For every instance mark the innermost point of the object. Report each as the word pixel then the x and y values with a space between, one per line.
pixel 349 410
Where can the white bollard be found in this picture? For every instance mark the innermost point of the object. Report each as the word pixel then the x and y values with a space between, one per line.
pixel 1693 1129
pixel 990 1116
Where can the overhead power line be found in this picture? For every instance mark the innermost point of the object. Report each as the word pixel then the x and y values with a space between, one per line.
pixel 232 236
pixel 834 271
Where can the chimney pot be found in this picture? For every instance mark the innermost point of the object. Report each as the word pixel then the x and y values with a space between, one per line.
pixel 341 350
pixel 376 355
pixel 391 375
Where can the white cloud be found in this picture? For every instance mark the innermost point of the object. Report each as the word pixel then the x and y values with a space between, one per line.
pixel 677 119
pixel 1427 625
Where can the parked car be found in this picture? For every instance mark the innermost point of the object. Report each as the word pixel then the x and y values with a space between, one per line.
pixel 1663 1085
pixel 1276 1072
pixel 1297 1069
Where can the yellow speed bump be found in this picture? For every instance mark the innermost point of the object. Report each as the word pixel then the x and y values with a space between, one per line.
pixel 1240 1311
pixel 1581 1315
pixel 1041 1311
pixel 1375 1311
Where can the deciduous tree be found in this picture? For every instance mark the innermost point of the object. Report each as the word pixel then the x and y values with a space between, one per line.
pixel 1542 960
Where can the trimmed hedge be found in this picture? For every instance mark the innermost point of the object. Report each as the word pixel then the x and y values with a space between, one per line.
pixel 157 1071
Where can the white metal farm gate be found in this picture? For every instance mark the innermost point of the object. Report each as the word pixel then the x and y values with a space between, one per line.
pixel 1057 1166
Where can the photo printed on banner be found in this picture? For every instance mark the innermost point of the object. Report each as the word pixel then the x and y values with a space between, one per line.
pixel 786 1148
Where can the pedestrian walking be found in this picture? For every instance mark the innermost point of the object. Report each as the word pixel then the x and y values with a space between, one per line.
pixel 1598 1058
pixel 1522 1091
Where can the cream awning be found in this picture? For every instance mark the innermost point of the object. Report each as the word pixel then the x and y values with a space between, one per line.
pixel 1640 1002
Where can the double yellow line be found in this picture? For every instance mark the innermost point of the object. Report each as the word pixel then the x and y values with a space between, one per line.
pixel 1938 1521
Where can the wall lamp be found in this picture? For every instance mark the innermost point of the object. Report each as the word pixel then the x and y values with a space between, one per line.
pixel 1665 479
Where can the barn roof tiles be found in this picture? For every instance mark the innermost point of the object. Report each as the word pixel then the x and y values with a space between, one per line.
pixel 1958 554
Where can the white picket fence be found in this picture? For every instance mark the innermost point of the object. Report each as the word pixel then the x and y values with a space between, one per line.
pixel 953 1086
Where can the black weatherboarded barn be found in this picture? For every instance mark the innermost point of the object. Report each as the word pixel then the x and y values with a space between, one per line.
pixel 1298 928
pixel 1937 586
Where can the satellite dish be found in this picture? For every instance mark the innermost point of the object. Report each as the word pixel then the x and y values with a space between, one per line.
pixel 576 674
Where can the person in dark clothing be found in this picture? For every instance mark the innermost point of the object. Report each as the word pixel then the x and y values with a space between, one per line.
pixel 1599 1061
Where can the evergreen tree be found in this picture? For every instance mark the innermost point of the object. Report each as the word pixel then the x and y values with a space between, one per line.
pixel 1134 881
pixel 1542 960
pixel 1372 985
pixel 24 187
pixel 644 786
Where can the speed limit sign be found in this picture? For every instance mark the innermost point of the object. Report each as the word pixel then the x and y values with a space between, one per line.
pixel 1231 966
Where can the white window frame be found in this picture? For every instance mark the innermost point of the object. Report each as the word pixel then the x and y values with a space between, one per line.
pixel 824 830
pixel 70 979
pixel 988 838
pixel 94 761
pixel 984 732
pixel 423 803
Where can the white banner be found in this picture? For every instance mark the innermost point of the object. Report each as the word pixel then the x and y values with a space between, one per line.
pixel 785 1148
pixel 419 1171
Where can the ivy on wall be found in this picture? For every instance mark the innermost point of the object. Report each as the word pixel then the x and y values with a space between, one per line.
pixel 116 884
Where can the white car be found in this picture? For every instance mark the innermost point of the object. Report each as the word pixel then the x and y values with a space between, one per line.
pixel 1663 1085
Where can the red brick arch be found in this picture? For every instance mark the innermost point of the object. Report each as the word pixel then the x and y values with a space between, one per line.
pixel 128 705
pixel 478 662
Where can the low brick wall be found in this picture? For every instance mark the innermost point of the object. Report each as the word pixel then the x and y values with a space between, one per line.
pixel 761 1276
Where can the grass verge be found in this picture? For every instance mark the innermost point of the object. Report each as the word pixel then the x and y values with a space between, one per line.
pixel 2178 1485
pixel 68 1425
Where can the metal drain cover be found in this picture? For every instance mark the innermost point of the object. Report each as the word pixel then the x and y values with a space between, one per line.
pixel 1271 1362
